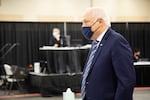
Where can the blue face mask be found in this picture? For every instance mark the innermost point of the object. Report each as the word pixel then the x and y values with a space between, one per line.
pixel 54 34
pixel 87 32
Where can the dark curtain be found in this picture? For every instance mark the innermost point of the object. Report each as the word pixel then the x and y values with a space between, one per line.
pixel 31 35
pixel 137 34
pixel 147 39
pixel 139 37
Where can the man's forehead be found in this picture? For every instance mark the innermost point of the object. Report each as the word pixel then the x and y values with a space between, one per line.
pixel 86 20
pixel 87 17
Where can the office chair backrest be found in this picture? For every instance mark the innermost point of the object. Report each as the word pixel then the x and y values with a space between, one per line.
pixel 67 39
pixel 8 69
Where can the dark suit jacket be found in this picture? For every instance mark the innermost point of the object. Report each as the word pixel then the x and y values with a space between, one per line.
pixel 112 76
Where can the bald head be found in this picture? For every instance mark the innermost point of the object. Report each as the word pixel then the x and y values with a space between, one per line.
pixel 95 13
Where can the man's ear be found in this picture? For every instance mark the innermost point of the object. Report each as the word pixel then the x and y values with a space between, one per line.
pixel 101 21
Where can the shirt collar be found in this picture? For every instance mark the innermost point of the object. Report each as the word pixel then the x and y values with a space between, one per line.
pixel 99 39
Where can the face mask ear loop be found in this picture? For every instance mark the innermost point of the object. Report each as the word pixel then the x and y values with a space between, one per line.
pixel 93 24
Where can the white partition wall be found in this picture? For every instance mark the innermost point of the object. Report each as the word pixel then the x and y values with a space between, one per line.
pixel 71 10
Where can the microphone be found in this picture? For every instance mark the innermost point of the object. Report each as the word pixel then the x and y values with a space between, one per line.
pixel 11 47
pixel 16 44
pixel 6 45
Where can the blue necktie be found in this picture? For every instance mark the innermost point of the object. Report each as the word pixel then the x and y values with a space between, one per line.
pixel 88 67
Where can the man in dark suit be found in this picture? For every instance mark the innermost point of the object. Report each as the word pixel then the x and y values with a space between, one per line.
pixel 109 72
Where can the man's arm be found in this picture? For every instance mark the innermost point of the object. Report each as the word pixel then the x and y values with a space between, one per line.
pixel 122 59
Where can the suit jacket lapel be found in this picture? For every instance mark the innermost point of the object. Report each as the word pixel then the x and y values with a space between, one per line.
pixel 100 47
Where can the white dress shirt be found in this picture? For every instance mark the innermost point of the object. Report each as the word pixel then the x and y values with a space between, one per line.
pixel 100 37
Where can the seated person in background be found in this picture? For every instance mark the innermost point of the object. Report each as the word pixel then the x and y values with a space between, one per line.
pixel 137 55
pixel 57 40
pixel 59 62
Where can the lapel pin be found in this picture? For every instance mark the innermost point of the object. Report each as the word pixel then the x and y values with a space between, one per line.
pixel 101 45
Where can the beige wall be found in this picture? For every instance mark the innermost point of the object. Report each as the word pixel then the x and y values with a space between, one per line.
pixel 126 10
pixel 71 10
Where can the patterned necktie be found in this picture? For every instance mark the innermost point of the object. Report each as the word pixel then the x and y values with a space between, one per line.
pixel 88 67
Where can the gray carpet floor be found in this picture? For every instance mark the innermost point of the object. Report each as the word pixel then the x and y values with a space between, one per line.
pixel 139 94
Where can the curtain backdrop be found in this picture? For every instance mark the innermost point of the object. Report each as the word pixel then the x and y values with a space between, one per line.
pixel 138 35
pixel 29 36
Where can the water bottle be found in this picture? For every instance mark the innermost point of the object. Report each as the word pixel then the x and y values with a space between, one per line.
pixel 68 95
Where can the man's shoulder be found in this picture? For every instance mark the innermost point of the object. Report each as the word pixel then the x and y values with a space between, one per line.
pixel 117 36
